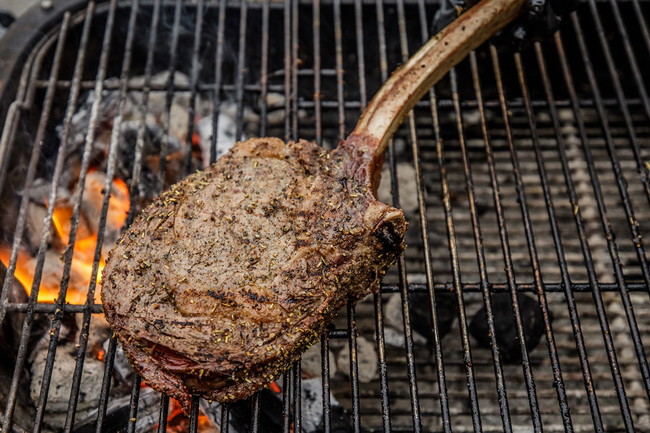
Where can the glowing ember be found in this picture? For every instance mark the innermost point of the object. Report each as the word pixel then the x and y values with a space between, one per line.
pixel 177 421
pixel 85 243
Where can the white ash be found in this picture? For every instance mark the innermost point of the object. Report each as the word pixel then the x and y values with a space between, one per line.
pixel 366 360
pixel 311 404
pixel 274 100
pixel 394 323
pixel 311 362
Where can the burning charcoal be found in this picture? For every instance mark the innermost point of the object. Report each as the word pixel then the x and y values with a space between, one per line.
pixel 59 392
pixel 271 411
pixel 226 134
pixel 420 318
pixel 117 414
pixel 366 360
pixel 446 307
pixel 505 328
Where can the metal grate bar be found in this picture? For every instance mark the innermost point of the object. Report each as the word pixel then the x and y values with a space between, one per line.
pixel 318 116
pixel 133 404
pixel 543 303
pixel 381 358
pixel 557 239
pixel 642 23
pixel 135 178
pixel 218 75
pixel 287 70
pixel 424 225
pixel 505 242
pixel 255 413
pixel 480 252
pixel 643 172
pixel 339 68
pixel 20 226
pixel 61 158
pixel 171 73
pixel 294 69
pixel 242 69
pixel 600 308
pixel 106 385
pixel 627 206
pixel 194 80
pixel 162 415
pixel 194 415
pixel 110 172
pixel 401 262
pixel 325 367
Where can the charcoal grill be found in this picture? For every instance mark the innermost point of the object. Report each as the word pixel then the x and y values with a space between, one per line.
pixel 522 173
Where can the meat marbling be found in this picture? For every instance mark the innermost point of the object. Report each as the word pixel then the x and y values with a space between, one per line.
pixel 224 280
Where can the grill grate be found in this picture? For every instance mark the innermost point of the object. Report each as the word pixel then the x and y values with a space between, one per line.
pixel 524 174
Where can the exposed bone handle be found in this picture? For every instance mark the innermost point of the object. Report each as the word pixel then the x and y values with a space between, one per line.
pixel 406 86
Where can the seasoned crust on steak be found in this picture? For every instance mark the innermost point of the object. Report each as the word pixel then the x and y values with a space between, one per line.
pixel 224 280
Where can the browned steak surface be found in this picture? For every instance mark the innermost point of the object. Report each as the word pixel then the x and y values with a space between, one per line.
pixel 224 280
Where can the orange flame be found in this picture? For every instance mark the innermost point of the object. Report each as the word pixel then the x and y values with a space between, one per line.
pixel 177 421
pixel 83 254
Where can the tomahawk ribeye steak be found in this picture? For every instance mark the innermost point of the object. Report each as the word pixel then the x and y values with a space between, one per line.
pixel 224 280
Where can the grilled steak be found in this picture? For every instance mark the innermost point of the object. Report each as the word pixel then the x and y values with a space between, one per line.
pixel 224 280
pixel 306 228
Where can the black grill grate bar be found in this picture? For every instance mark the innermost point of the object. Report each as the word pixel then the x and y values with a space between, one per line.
pixel 135 176
pixel 558 380
pixel 137 163
pixel 621 183
pixel 386 288
pixel 171 72
pixel 424 226
pixel 20 226
pixel 480 253
pixel 241 69
pixel 633 224
pixel 382 366
pixel 338 55
pixel 325 367
pixel 287 69
pixel 401 262
pixel 194 80
pixel 218 75
pixel 294 69
pixel 133 404
pixel 106 387
pixel 505 242
pixel 318 120
pixel 255 413
pixel 109 84
pixel 642 23
pixel 456 270
pixel 60 161
pixel 110 172
pixel 194 415
pixel 264 67
pixel 636 73
pixel 354 367
pixel 559 248
pixel 586 250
